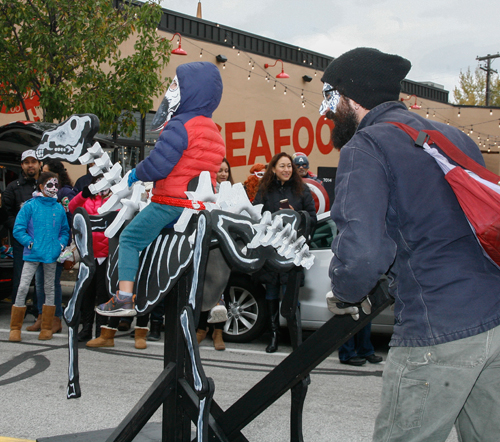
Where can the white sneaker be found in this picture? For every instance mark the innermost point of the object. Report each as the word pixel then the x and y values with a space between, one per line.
pixel 217 314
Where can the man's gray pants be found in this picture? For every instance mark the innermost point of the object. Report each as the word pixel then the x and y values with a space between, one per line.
pixel 427 390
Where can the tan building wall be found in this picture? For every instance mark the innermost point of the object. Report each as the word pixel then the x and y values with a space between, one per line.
pixel 257 120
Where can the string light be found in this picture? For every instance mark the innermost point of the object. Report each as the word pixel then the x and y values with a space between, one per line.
pixel 299 92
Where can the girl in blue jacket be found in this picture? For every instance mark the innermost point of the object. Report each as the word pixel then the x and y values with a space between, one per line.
pixel 42 228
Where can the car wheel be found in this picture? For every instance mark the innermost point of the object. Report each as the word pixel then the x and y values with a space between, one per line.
pixel 246 310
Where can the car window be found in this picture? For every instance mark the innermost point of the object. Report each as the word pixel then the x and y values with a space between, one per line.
pixel 323 236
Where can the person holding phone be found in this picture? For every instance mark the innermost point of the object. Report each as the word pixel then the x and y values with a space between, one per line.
pixel 281 188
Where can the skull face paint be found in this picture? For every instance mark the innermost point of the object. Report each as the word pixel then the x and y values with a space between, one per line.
pixel 51 187
pixel 331 99
pixel 168 106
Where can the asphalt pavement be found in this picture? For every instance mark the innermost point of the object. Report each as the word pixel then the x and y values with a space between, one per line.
pixel 341 403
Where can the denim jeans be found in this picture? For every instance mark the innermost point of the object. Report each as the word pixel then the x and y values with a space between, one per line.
pixel 141 232
pixel 40 291
pixel 427 390
pixel 275 291
pixel 359 345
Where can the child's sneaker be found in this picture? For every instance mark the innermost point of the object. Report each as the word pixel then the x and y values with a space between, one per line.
pixel 117 306
pixel 217 314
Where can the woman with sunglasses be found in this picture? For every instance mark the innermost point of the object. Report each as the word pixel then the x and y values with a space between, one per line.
pixel 281 187
pixel 42 228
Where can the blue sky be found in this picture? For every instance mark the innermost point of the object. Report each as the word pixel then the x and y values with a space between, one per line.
pixel 439 37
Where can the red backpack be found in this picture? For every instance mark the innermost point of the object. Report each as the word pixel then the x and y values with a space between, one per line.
pixel 476 188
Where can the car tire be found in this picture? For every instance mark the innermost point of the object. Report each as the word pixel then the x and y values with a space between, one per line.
pixel 246 308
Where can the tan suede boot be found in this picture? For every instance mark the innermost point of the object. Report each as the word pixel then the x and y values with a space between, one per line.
pixel 217 338
pixel 47 319
pixel 106 339
pixel 56 325
pixel 16 323
pixel 37 325
pixel 201 334
pixel 140 337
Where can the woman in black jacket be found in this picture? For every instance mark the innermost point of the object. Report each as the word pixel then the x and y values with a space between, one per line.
pixel 281 188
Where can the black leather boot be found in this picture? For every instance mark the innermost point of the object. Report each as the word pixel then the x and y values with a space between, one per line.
pixel 273 310
pixel 155 332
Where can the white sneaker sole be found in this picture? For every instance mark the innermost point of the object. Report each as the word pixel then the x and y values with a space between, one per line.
pixel 217 314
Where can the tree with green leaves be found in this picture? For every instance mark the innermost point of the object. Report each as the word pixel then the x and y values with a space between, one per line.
pixel 72 56
pixel 472 88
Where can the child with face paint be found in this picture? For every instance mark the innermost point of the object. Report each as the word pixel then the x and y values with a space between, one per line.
pixel 42 228
pixel 189 144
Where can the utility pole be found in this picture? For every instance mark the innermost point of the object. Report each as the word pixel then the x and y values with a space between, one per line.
pixel 488 71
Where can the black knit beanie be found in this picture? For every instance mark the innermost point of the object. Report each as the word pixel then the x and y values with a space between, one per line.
pixel 367 76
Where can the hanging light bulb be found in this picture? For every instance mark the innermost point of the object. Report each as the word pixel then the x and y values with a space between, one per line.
pixel 434 114
pixel 238 52
pixel 274 87
pixel 458 112
pixel 302 94
pixel 491 112
pixel 248 75
pixel 284 93
pixel 253 65
pixel 224 66
pixel 427 114
pixel 471 130
pixel 303 103
pixel 201 53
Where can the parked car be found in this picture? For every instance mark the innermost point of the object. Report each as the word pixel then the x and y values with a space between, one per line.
pixel 245 298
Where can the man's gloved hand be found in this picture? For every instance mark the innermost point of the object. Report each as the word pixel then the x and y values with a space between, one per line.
pixel 338 307
pixel 132 178
pixel 86 193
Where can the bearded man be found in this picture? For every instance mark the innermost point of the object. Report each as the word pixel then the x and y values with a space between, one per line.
pixel 397 215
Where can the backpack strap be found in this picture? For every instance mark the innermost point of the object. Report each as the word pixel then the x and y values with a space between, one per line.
pixel 452 151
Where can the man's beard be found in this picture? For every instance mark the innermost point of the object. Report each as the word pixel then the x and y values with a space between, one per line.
pixel 30 173
pixel 346 123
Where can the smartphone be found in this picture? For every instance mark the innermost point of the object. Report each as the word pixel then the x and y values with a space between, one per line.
pixel 284 204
